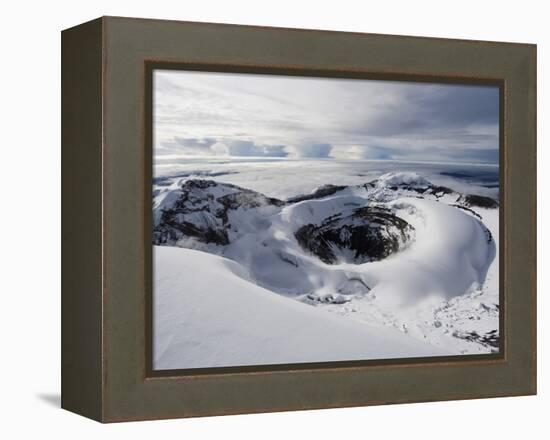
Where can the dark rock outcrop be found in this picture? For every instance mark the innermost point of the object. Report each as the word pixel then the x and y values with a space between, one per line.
pixel 472 200
pixel 323 191
pixel 368 234
pixel 201 211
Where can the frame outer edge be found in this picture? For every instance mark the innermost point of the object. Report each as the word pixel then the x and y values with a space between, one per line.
pixel 81 213
pixel 127 396
pixel 534 78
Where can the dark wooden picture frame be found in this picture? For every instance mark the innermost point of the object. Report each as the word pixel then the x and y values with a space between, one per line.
pixel 152 65
pixel 106 192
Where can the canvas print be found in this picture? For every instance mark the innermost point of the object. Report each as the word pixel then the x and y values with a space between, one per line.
pixel 306 219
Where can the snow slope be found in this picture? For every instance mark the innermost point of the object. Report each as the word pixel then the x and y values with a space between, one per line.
pixel 208 315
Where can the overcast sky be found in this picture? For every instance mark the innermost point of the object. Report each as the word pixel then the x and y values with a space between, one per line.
pixel 219 114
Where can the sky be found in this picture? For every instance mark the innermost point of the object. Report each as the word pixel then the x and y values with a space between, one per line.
pixel 211 115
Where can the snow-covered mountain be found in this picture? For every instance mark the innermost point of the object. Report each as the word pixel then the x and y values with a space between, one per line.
pixel 397 251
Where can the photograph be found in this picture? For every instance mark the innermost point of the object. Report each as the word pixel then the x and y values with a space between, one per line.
pixel 306 219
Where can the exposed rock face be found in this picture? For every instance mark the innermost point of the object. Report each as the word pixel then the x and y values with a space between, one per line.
pixel 470 200
pixel 489 339
pixel 323 191
pixel 368 234
pixel 201 209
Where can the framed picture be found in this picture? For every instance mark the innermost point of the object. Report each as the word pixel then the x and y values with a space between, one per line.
pixel 263 219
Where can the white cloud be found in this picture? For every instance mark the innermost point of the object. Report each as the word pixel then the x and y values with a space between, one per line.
pixel 206 114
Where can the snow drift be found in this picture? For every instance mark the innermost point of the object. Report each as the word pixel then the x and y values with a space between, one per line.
pixel 208 315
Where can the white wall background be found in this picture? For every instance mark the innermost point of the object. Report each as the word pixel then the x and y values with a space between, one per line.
pixel 30 218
